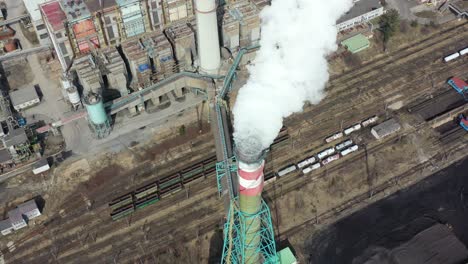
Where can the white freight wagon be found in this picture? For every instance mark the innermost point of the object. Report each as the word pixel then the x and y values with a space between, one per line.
pixel 349 150
pixel 463 51
pixel 311 168
pixel 369 121
pixel 326 152
pixel 306 162
pixel 343 145
pixel 451 57
pixel 352 129
pixel 286 170
pixel 334 137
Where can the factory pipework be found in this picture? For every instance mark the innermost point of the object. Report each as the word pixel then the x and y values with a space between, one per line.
pixel 207 36
pixel 250 177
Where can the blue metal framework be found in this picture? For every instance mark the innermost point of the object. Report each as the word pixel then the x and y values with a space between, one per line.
pixel 464 122
pixel 461 90
pixel 221 171
pixel 238 225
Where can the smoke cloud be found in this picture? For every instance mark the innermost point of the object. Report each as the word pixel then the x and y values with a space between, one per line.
pixel 290 68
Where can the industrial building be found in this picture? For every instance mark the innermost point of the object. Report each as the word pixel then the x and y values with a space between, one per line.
pixel 19 217
pixel 32 7
pixel 356 43
pixel 361 12
pixel 24 98
pixel 385 128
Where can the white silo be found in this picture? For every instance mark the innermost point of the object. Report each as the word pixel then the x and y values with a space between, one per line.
pixel 207 36
pixel 73 96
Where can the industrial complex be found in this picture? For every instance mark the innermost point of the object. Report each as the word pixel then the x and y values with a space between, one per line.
pixel 117 129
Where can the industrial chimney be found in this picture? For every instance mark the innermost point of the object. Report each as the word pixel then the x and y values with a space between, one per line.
pixel 207 36
pixel 250 175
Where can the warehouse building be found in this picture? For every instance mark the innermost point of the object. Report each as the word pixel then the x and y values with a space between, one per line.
pixel 24 98
pixel 385 129
pixel 361 12
pixel 5 227
pixel 16 219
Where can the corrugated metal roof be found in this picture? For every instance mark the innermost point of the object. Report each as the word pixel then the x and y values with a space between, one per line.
pixel 15 216
pixel 286 256
pixel 54 15
pixel 5 155
pixel 356 43
pixel 15 137
pixel 98 5
pixel 5 224
pixel 29 209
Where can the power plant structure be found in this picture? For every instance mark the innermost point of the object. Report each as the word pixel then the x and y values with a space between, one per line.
pixel 135 55
pixel 98 119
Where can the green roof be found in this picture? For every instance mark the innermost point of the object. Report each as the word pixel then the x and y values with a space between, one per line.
pixel 356 43
pixel 286 256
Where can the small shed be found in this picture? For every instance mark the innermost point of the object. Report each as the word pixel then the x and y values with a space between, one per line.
pixel 41 166
pixel 385 128
pixel 16 219
pixel 5 227
pixel 356 43
pixel 24 98
pixel 29 209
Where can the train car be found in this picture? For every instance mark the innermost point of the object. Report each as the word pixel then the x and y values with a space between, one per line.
pixel 330 159
pixel 170 190
pixel 352 129
pixel 451 57
pixel 146 190
pixel 269 178
pixel 463 51
pixel 121 201
pixel 343 145
pixel 169 180
pixel 306 162
pixel 286 170
pixel 192 173
pixel 370 121
pixel 349 150
pixel 326 152
pixel 150 199
pixel 459 85
pixel 311 168
pixel 334 137
pixel 122 212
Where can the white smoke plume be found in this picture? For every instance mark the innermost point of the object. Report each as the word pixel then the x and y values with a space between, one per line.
pixel 290 68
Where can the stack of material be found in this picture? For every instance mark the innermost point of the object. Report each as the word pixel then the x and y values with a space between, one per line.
pixel 139 62
pixel 241 25
pixel 89 74
pixel 182 38
pixel 115 70
pixel 162 54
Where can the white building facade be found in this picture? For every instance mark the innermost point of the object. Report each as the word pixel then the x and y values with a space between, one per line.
pixel 361 12
pixel 32 6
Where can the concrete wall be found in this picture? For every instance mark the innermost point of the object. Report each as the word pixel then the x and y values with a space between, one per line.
pixel 360 19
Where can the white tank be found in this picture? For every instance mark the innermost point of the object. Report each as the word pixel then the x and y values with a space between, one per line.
pixel 73 95
pixel 207 36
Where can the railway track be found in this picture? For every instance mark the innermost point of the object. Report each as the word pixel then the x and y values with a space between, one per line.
pixel 401 53
pixel 211 224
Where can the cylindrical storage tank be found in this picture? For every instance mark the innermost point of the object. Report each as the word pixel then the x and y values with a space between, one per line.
pixel 95 107
pixel 73 95
pixel 250 177
pixel 207 36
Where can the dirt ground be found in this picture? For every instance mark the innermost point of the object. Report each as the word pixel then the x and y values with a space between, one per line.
pixel 185 226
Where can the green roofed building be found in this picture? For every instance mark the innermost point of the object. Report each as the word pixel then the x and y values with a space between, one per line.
pixel 286 256
pixel 356 43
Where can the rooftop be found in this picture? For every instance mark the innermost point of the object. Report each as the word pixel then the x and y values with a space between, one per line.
pixel 356 43
pixel 5 155
pixel 54 15
pixel 33 8
pixel 15 216
pixel 5 224
pixel 15 137
pixel 360 7
pixel 75 10
pixel 23 95
pixel 27 207
pixel 98 5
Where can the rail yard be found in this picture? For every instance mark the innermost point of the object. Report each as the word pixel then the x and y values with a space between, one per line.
pixel 164 206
